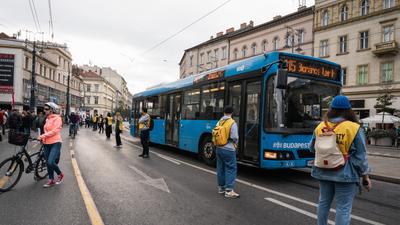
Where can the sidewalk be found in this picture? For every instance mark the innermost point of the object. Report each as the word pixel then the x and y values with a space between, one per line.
pixel 384 161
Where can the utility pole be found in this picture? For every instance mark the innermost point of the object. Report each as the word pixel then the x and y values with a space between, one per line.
pixel 32 103
pixel 67 107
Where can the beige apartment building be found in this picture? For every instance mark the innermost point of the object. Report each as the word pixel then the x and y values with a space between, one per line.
pixel 99 94
pixel 363 36
pixel 51 70
pixel 290 33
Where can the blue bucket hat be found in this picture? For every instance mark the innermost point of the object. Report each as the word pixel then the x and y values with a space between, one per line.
pixel 341 102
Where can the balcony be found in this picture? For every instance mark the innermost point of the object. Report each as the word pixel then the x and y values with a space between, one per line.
pixel 386 48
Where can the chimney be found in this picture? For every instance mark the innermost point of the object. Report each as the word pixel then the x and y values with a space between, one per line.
pixel 230 30
pixel 243 25
pixel 277 17
pixel 219 34
pixel 211 37
pixel 251 23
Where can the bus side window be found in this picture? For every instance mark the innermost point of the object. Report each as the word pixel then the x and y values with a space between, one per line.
pixel 212 103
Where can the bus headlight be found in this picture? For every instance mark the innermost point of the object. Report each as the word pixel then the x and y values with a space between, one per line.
pixel 270 155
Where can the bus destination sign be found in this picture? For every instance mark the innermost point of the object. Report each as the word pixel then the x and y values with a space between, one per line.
pixel 210 76
pixel 312 68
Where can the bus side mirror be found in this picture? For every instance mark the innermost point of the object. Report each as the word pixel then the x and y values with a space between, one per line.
pixel 281 82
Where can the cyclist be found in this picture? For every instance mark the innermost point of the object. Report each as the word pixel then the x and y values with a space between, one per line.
pixel 52 143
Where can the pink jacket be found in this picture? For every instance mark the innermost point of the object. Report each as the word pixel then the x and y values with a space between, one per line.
pixel 52 129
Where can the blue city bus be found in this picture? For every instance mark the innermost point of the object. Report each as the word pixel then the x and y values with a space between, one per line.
pixel 278 99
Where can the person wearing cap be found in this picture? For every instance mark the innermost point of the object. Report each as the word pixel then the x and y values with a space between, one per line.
pixel 341 183
pixel 51 140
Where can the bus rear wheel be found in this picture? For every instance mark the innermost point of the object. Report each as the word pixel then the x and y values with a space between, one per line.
pixel 208 153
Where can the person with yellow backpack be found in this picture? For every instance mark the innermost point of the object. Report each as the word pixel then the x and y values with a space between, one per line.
pixel 340 160
pixel 119 127
pixel 225 137
pixel 108 122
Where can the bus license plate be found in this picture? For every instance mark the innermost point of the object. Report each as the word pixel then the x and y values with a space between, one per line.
pixel 310 163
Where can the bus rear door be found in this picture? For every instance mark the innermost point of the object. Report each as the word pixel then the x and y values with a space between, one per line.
pixel 172 119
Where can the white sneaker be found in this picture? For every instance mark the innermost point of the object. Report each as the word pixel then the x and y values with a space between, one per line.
pixel 221 190
pixel 231 194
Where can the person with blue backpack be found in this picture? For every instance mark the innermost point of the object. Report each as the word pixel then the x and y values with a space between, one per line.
pixel 340 161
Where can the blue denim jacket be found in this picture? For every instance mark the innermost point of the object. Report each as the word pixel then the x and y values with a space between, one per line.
pixel 355 167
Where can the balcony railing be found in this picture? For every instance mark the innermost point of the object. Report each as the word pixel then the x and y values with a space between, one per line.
pixel 386 48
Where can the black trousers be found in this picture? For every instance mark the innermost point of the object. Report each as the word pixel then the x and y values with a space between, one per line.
pixel 144 139
pixel 108 131
pixel 118 137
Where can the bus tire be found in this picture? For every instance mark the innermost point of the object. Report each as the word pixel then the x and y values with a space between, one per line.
pixel 207 151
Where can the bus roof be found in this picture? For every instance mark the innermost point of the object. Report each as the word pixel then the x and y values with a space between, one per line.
pixel 239 67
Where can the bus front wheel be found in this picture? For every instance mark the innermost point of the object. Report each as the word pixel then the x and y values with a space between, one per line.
pixel 208 153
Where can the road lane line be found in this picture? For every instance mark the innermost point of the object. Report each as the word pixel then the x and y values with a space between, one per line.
pixel 304 212
pixel 267 189
pixel 167 158
pixel 91 208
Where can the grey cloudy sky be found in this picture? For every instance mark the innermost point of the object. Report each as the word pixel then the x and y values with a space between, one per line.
pixel 116 33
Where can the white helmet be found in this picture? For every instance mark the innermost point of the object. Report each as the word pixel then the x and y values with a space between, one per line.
pixel 53 106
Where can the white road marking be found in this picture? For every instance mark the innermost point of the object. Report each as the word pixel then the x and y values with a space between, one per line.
pixel 167 158
pixel 304 212
pixel 157 183
pixel 268 190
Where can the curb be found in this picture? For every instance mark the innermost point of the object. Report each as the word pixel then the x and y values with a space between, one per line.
pixel 384 178
pixel 384 155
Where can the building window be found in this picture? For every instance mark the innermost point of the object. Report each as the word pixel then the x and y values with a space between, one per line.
pixel 344 75
pixel 88 87
pixel 191 61
pixel 388 33
pixel 244 51
pixel 344 12
pixel 325 18
pixel 96 88
pixel 254 49
pixel 362 76
pixel 363 39
pixel 301 37
pixel 224 53
pixel 201 58
pixel 88 100
pixel 96 100
pixel 235 54
pixel 364 9
pixel 275 43
pixel 216 54
pixel 343 44
pixel 264 45
pixel 289 40
pixel 40 69
pixel 323 48
pixel 387 71
pixel 388 4
pixel 209 56
pixel 59 78
pixel 26 62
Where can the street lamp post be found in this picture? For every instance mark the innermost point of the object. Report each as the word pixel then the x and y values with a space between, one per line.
pixel 67 107
pixel 292 35
pixel 32 104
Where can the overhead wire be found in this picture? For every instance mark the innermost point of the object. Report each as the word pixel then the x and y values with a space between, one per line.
pixel 51 20
pixel 37 18
pixel 184 28
pixel 33 15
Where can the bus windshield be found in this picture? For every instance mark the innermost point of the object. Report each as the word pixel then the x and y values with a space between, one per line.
pixel 301 106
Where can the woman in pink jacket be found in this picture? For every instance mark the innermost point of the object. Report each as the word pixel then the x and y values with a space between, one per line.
pixel 51 140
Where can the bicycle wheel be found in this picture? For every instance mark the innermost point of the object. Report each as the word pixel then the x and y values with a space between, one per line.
pixel 41 168
pixel 10 172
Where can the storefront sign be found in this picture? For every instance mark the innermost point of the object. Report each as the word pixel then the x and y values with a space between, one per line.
pixel 312 68
pixel 6 73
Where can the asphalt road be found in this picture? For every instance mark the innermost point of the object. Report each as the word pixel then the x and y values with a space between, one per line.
pixel 172 187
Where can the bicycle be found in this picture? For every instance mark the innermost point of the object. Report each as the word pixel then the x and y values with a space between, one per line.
pixel 73 130
pixel 14 166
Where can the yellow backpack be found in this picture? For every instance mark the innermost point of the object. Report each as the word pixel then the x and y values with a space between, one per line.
pixel 221 132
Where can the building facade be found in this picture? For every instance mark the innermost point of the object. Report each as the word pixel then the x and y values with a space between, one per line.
pixel 51 69
pixel 363 37
pixel 290 33
pixel 98 94
pixel 122 94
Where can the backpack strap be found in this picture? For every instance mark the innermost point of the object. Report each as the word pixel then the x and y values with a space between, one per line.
pixel 327 128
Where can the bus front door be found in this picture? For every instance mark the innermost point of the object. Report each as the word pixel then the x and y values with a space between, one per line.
pixel 172 119
pixel 245 98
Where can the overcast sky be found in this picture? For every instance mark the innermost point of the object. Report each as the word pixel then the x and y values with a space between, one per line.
pixel 116 33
